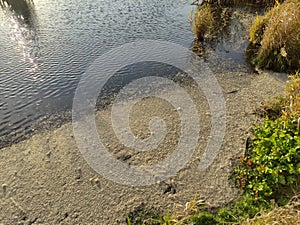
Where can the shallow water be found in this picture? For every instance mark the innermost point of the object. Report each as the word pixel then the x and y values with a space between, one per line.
pixel 48 45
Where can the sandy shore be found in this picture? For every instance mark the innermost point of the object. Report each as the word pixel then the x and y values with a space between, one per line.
pixel 45 179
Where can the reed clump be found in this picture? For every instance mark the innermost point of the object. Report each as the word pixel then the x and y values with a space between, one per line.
pixel 202 21
pixel 276 37
pixel 209 20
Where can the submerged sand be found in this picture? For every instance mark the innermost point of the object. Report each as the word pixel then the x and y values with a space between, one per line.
pixel 45 179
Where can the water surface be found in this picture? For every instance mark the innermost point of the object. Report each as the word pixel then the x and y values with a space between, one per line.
pixel 48 45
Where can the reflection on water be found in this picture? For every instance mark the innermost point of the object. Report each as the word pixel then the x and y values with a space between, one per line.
pixel 19 66
pixel 224 42
pixel 23 9
pixel 22 29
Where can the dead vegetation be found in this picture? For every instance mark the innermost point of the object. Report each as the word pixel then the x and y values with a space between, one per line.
pixel 288 214
pixel 276 37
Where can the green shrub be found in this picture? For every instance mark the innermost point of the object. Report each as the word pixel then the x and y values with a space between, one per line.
pixel 273 160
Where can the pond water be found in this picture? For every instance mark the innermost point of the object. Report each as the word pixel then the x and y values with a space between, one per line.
pixel 48 45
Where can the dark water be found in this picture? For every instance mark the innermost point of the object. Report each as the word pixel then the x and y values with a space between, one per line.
pixel 47 46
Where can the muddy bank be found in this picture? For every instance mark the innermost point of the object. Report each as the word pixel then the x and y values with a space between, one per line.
pixel 45 179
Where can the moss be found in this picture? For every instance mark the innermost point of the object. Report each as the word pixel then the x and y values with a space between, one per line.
pixel 276 37
pixel 142 215
pixel 204 218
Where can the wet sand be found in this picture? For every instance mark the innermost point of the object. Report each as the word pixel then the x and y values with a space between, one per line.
pixel 45 179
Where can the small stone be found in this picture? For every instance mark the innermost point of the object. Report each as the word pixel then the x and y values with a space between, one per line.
pixel 170 188
pixel 178 109
pixel 97 182
pixel 48 154
pixel 4 188
pixel 124 157
pixel 79 173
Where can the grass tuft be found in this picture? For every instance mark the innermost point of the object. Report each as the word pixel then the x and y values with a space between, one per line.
pixel 288 214
pixel 277 37
pixel 202 21
pixel 209 20
pixel 292 98
pixel 287 105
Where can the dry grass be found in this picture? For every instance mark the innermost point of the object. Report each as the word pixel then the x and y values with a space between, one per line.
pixel 257 29
pixel 278 37
pixel 182 213
pixel 288 214
pixel 287 105
pixel 292 98
pixel 242 2
pixel 209 20
pixel 202 21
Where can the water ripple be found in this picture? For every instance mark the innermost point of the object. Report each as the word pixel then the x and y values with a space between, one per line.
pixel 47 46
